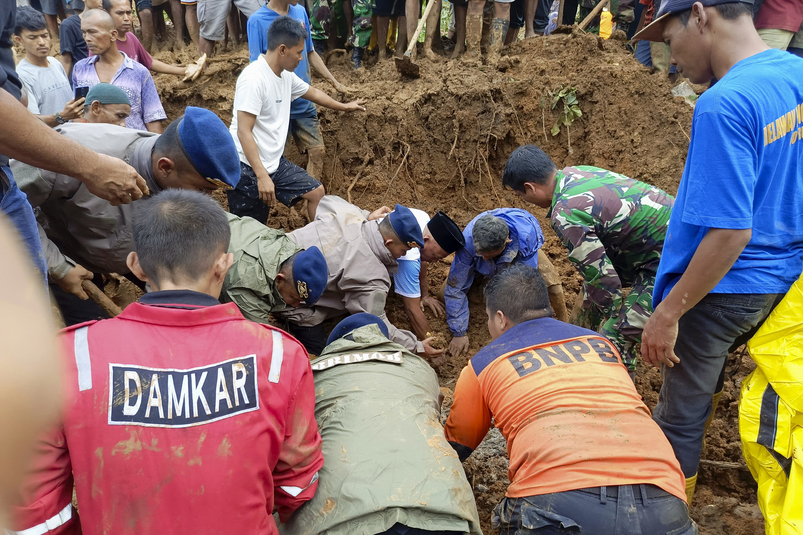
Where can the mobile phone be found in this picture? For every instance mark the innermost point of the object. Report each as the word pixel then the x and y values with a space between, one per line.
pixel 81 92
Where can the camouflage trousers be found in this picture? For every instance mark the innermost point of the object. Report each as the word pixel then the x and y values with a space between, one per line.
pixel 319 19
pixel 621 10
pixel 361 28
pixel 624 327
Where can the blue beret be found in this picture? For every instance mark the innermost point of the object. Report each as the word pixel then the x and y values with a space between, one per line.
pixel 209 146
pixel 355 321
pixel 310 273
pixel 406 226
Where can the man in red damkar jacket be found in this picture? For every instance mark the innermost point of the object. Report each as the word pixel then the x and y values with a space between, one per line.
pixel 180 416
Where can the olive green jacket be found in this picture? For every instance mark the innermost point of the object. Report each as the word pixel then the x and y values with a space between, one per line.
pixel 386 459
pixel 259 252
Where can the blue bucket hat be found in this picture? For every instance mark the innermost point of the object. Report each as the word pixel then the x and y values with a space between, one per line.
pixel 654 30
pixel 310 274
pixel 355 321
pixel 209 147
pixel 406 226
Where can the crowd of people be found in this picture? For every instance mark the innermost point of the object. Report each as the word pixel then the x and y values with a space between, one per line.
pixel 258 384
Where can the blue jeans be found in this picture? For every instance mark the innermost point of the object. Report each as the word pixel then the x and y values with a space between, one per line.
pixel 622 510
pixel 716 326
pixel 643 55
pixel 14 204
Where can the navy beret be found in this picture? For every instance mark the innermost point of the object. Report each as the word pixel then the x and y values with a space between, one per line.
pixel 406 226
pixel 209 146
pixel 446 233
pixel 310 274
pixel 355 321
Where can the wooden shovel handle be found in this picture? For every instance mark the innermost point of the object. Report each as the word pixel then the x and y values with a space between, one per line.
pixel 424 17
pixel 594 13
pixel 100 298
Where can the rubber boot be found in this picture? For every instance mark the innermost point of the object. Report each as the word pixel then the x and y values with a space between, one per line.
pixel 473 35
pixel 356 56
pixel 496 39
pixel 691 483
pixel 714 404
pixel 372 42
pixel 391 42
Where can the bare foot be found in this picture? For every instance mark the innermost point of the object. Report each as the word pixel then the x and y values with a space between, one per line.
pixel 430 55
pixel 458 50
pixel 527 35
pixel 383 55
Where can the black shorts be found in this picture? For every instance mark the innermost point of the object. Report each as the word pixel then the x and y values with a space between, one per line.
pixel 517 14
pixel 290 182
pixel 143 5
pixel 389 8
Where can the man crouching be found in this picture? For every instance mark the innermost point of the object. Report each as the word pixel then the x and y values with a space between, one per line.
pixel 388 468
pixel 585 456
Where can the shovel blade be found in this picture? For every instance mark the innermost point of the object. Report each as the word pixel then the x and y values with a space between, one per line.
pixel 406 67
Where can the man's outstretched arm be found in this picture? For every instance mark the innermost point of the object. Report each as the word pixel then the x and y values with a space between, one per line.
pixel 322 99
pixel 34 143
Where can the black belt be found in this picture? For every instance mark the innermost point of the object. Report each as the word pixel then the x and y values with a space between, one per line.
pixel 613 492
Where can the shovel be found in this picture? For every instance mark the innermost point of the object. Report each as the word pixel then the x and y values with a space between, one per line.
pixel 97 295
pixel 405 64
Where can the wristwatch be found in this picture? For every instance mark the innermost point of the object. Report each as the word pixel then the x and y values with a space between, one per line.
pixel 60 119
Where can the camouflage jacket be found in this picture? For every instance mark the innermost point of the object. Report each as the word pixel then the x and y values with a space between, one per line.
pixel 612 225
pixel 259 252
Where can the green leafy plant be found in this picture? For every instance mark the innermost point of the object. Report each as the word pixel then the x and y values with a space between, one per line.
pixel 571 110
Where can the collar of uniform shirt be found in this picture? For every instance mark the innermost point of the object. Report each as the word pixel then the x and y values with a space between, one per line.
pixel 559 185
pixel 178 299
pixel 142 161
pixel 370 231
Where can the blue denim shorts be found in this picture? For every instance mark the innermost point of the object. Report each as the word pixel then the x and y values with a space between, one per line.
pixel 306 131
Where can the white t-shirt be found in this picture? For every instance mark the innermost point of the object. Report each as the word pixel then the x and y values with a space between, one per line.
pixel 260 92
pixel 48 87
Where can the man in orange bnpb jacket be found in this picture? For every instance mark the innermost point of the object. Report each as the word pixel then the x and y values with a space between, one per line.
pixel 585 455
pixel 180 416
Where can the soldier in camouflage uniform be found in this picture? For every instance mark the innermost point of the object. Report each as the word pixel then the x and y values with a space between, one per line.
pixel 319 22
pixel 614 228
pixel 361 29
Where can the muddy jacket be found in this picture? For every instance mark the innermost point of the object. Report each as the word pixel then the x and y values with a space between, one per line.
pixel 359 266
pixel 386 457
pixel 613 226
pixel 259 252
pixel 75 225
pixel 526 238
pixel 179 417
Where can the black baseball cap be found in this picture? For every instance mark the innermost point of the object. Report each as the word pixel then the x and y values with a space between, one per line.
pixel 446 232
pixel 654 30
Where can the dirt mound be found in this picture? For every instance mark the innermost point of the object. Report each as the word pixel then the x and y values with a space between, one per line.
pixel 441 141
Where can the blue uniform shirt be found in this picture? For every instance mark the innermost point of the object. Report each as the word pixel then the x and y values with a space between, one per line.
pixel 526 238
pixel 744 170
pixel 258 25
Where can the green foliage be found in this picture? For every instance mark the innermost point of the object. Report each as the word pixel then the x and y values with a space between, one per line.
pixel 571 107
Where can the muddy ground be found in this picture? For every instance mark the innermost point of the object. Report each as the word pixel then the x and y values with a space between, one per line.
pixel 440 142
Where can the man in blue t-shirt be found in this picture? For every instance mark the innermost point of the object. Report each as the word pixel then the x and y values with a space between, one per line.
pixel 735 239
pixel 304 125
